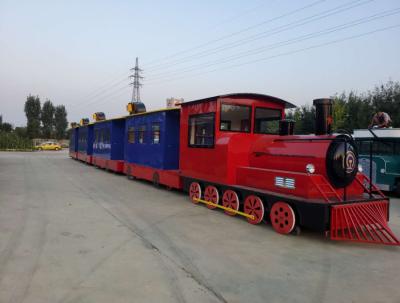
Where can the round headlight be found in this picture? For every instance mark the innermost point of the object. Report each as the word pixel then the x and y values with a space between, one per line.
pixel 310 168
pixel 360 169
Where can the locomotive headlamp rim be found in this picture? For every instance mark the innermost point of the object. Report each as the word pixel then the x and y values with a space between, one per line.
pixel 310 168
pixel 360 168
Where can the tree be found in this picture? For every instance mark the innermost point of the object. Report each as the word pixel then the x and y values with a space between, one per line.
pixel 61 122
pixel 47 117
pixel 1 120
pixel 6 127
pixel 32 112
pixel 339 113
pixel 21 132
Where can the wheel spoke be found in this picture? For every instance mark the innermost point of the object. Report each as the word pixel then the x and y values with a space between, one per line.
pixel 254 206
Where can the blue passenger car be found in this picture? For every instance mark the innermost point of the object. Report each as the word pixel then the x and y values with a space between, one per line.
pixel 108 145
pixel 85 143
pixel 73 142
pixel 152 146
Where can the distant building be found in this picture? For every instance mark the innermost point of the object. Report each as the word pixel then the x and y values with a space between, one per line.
pixel 174 102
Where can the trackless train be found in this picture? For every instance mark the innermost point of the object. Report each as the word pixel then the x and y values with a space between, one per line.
pixel 237 152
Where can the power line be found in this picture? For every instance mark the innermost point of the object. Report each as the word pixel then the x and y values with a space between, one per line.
pixel 237 32
pixel 283 43
pixel 345 6
pixel 104 88
pixel 244 13
pixel 106 85
pixel 100 93
pixel 279 29
pixel 114 96
pixel 107 95
pixel 288 53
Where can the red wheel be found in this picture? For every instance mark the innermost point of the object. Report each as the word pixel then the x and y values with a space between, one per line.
pixel 255 207
pixel 283 218
pixel 231 200
pixel 194 192
pixel 211 195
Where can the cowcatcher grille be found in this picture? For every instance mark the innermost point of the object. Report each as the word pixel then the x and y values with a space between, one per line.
pixel 362 222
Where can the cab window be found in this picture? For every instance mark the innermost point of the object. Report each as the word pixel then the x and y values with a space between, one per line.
pixel 267 121
pixel 201 130
pixel 235 118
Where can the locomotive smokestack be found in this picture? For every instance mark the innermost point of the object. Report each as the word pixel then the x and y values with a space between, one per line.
pixel 323 116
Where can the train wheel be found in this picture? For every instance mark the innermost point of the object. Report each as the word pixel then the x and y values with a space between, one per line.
pixel 255 207
pixel 195 192
pixel 211 195
pixel 231 200
pixel 283 219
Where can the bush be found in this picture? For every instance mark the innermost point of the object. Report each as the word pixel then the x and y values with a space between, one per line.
pixel 15 142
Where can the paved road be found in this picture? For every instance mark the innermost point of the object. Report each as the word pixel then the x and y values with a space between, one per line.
pixel 73 233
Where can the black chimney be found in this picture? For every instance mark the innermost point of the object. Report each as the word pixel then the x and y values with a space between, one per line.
pixel 323 116
pixel 286 127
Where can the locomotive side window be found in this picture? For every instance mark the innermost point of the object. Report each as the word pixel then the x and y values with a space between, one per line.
pixel 155 133
pixel 142 133
pixel 131 135
pixel 267 121
pixel 235 118
pixel 201 130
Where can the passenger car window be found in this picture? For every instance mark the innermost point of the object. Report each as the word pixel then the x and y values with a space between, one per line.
pixel 201 130
pixel 142 132
pixel 107 136
pixel 235 118
pixel 131 135
pixel 155 133
pixel 267 121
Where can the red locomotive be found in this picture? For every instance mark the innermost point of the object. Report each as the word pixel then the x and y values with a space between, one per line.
pixel 237 152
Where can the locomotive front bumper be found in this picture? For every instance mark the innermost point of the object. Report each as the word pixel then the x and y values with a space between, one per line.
pixel 362 222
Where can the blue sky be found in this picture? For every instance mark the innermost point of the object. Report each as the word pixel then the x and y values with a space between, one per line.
pixel 78 53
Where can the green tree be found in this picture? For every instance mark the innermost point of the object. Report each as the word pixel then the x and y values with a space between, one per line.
pixel 21 132
pixel 47 117
pixel 61 122
pixel 304 118
pixel 339 113
pixel 6 127
pixel 32 112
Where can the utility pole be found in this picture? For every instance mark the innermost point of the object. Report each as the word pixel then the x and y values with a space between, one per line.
pixel 136 82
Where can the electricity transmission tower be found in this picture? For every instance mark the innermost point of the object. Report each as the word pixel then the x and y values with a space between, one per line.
pixel 136 82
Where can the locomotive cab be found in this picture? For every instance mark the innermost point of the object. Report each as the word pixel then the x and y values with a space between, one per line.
pixel 217 133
